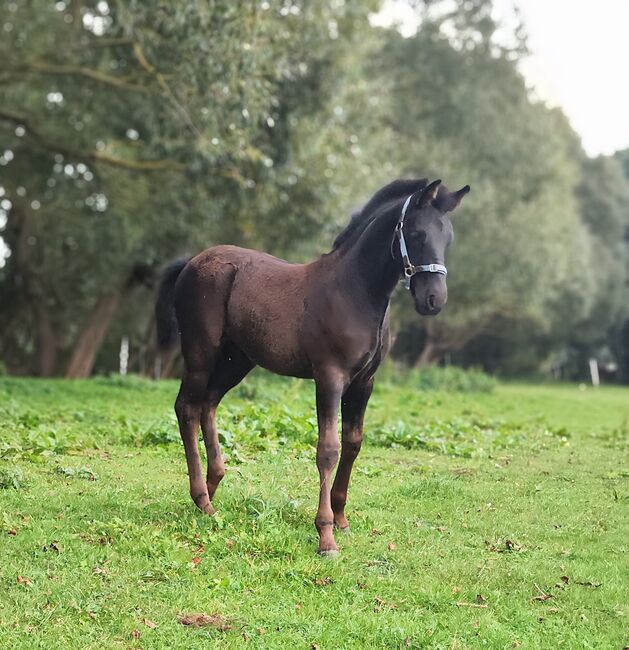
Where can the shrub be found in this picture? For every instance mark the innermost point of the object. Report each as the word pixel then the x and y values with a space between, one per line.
pixel 449 378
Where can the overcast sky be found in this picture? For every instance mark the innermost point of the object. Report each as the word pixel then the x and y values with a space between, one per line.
pixel 579 61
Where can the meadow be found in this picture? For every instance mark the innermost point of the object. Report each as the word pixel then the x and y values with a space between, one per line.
pixel 483 515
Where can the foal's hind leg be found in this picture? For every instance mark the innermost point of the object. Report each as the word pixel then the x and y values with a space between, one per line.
pixel 188 408
pixel 231 368
pixel 353 406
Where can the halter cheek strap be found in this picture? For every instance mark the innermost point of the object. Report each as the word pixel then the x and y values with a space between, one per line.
pixel 409 268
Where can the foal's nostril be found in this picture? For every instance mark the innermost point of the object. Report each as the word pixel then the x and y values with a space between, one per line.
pixel 431 301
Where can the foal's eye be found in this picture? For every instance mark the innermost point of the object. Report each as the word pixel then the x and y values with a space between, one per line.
pixel 418 235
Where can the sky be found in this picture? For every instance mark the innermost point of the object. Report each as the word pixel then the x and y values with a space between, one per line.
pixel 579 61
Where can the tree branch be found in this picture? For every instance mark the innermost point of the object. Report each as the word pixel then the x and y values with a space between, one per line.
pixel 37 67
pixel 163 84
pixel 96 43
pixel 88 156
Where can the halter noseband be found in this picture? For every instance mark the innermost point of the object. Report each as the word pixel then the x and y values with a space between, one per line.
pixel 409 268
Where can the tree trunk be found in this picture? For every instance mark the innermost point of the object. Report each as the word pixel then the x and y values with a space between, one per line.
pixel 92 335
pixel 46 339
pixel 99 321
pixel 431 353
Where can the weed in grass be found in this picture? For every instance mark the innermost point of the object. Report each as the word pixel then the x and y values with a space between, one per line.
pixel 11 477
pixel 76 472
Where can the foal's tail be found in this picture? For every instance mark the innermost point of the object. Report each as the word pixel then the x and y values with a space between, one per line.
pixel 165 317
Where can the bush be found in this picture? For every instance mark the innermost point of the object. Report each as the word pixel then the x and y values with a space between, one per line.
pixel 450 379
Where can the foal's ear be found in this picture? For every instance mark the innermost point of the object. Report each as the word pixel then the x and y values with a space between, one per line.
pixel 428 195
pixel 449 201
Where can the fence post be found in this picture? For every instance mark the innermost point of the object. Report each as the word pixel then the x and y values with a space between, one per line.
pixel 124 355
pixel 596 381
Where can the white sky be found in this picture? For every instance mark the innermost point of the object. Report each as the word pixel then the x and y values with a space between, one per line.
pixel 579 61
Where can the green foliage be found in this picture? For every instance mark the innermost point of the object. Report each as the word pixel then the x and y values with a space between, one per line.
pixel 164 432
pixel 11 477
pixel 451 379
pixel 76 472
pixel 138 131
pixel 225 108
pixel 459 437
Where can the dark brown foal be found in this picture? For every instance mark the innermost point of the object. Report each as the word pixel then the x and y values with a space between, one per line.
pixel 328 320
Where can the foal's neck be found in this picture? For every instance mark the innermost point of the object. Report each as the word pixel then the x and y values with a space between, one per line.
pixel 370 262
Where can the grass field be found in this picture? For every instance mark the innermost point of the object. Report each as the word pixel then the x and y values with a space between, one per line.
pixel 490 519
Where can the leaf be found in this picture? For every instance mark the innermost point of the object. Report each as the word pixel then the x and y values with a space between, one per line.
pixel 149 623
pixel 323 582
pixel 381 604
pixel 542 597
pixel 22 580
pixel 542 594
pixel 54 546
pixel 135 634
pixel 392 546
pixel 206 620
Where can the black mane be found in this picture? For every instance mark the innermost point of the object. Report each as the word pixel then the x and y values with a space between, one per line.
pixel 361 219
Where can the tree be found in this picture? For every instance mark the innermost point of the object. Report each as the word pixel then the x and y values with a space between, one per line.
pixel 139 130
pixel 463 112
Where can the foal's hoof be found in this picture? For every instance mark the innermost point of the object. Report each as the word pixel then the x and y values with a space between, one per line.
pixel 345 530
pixel 206 507
pixel 330 552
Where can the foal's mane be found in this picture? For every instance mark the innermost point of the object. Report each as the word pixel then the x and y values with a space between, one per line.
pixel 371 210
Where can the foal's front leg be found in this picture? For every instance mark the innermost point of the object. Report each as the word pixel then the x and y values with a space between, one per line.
pixel 330 386
pixel 353 408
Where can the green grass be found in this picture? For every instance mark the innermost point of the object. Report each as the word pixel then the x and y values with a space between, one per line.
pixel 468 509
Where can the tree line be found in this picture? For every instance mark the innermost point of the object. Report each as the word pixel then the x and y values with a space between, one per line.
pixel 132 132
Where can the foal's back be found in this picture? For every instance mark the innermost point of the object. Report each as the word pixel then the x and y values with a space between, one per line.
pixel 252 299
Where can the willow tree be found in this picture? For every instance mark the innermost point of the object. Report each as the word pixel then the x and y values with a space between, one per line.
pixel 137 130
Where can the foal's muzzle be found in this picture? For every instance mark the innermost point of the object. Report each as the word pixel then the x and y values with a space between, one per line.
pixel 430 292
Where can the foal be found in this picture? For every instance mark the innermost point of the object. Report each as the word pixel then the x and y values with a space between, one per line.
pixel 328 320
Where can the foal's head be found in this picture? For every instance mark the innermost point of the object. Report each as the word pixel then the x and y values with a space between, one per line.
pixel 427 232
